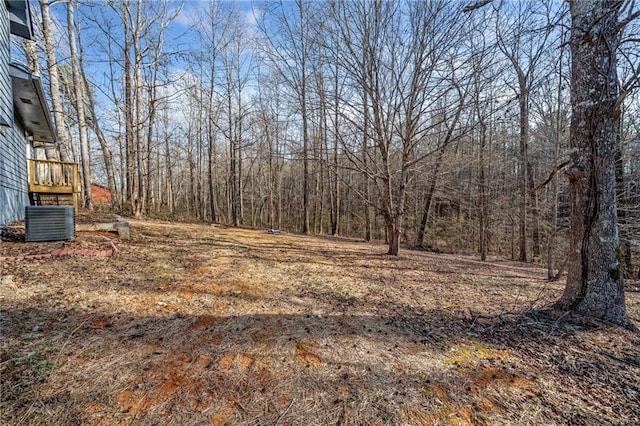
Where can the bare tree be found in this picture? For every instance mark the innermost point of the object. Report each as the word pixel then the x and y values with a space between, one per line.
pixel 289 49
pixel 595 283
pixel 448 125
pixel 235 81
pixel 397 55
pixel 94 124
pixel 551 108
pixel 523 43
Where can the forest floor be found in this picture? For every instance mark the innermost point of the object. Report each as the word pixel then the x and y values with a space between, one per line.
pixel 193 324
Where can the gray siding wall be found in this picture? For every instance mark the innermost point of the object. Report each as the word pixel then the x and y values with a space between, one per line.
pixel 13 176
pixel 13 146
pixel 6 99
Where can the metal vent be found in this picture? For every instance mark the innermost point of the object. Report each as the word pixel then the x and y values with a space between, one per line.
pixel 50 223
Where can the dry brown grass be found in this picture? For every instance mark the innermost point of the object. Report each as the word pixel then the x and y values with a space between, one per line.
pixel 193 324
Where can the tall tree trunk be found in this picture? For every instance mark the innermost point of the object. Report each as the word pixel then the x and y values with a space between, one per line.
pixel 558 124
pixel 80 107
pixel 625 241
pixel 434 176
pixel 148 190
pixel 554 208
pixel 335 217
pixel 595 284
pixel 483 194
pixel 54 83
pixel 128 107
pixel 233 155
pixel 535 222
pixel 169 165
pixel 366 190
pixel 138 121
pixel 522 168
pixel 513 39
pixel 239 136
pixel 302 9
pixel 393 236
pixel 212 159
pixel 426 209
pixel 107 155
pixel 305 156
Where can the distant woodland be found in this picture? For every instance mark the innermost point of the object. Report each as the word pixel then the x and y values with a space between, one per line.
pixel 411 122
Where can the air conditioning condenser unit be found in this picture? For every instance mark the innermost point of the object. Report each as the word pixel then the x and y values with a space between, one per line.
pixel 50 223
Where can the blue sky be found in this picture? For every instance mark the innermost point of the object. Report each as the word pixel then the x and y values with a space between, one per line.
pixel 180 35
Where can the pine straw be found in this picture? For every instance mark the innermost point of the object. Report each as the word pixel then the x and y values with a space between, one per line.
pixel 194 324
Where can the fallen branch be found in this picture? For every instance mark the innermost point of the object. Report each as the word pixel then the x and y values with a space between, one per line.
pixel 556 323
pixel 499 315
pixel 624 361
pixel 529 318
pixel 284 412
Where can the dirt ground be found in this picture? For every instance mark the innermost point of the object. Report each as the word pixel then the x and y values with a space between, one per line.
pixel 193 324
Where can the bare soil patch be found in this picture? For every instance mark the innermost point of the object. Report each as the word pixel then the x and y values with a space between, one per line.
pixel 193 324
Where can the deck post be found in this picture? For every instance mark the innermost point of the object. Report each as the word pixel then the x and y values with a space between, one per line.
pixel 76 187
pixel 32 171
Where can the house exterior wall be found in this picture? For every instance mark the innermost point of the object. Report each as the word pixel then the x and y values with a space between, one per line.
pixel 6 100
pixel 13 145
pixel 13 175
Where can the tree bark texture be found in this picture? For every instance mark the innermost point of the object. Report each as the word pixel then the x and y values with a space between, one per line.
pixel 595 282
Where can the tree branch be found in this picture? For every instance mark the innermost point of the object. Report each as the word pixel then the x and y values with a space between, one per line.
pixel 477 5
pixel 555 171
pixel 632 16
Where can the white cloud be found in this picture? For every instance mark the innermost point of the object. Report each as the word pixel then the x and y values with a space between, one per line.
pixel 190 14
pixel 253 15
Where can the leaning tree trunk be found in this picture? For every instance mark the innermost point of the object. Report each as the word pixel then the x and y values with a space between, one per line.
pixel 93 124
pixel 594 282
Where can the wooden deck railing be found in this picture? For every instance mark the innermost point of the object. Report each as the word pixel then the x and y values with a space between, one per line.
pixel 54 177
